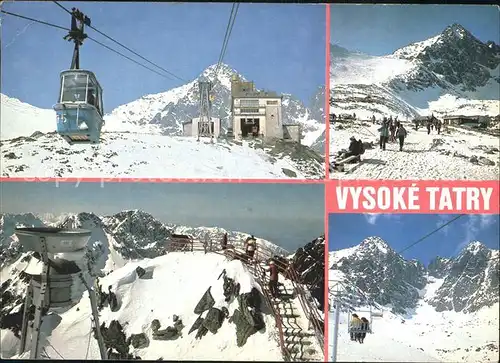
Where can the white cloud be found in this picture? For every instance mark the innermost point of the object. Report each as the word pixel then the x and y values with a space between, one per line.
pixel 474 225
pixel 371 218
pixel 486 220
pixel 442 219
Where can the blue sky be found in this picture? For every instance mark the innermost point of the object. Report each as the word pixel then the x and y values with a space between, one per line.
pixel 399 231
pixel 289 215
pixel 279 46
pixel 381 29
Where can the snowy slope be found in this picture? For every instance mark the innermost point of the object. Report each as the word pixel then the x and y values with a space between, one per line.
pixel 157 156
pixel 448 312
pixel 454 154
pixel 21 119
pixel 450 73
pixel 141 304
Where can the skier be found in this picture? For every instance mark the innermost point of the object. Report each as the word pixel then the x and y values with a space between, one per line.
pixel 401 134
pixel 354 326
pixel 273 279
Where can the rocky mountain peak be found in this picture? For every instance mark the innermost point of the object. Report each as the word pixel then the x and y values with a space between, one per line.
pixel 376 244
pixel 471 280
pixel 475 246
pixel 456 31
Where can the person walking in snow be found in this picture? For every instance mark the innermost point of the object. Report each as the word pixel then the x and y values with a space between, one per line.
pixel 438 126
pixel 224 241
pixel 250 247
pixel 354 326
pixel 429 123
pixel 392 129
pixel 273 279
pixel 401 135
pixel 384 135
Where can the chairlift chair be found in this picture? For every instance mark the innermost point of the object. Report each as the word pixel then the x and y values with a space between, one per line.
pixel 350 329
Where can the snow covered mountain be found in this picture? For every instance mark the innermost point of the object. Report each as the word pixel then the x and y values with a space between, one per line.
pixel 126 243
pixel 449 310
pixel 140 133
pixel 450 73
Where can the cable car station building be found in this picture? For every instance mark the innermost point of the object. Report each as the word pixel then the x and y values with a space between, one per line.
pixel 259 113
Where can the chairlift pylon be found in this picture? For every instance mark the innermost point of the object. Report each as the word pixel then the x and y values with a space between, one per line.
pixel 79 108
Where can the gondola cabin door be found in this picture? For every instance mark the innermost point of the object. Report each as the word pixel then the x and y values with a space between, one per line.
pixel 79 109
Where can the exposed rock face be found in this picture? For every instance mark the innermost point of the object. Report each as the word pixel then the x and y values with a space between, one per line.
pixel 393 280
pixel 458 57
pixel 454 62
pixel 471 281
pixel 309 262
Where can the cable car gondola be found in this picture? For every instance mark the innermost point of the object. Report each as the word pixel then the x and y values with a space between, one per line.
pixel 80 108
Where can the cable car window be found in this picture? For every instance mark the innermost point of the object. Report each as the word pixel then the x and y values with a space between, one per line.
pixel 74 88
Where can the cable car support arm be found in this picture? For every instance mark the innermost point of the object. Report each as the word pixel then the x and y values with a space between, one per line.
pixel 77 34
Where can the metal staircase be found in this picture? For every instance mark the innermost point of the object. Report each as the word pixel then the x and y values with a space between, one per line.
pixel 300 327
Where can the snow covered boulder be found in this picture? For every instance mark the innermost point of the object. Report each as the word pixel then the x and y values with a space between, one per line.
pixel 138 341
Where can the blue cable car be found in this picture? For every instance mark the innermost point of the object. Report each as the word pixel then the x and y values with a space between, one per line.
pixel 80 108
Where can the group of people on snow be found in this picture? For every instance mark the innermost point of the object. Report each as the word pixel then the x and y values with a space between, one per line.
pixel 250 248
pixel 430 123
pixel 358 328
pixel 390 131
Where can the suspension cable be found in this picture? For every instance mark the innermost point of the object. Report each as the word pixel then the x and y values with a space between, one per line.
pixel 123 46
pixel 90 38
pixel 229 28
pixel 431 233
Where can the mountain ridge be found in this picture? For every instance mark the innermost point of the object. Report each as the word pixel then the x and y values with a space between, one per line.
pixel 470 279
pixel 420 77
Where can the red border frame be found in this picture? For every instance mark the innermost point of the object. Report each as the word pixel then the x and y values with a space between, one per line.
pixel 327 170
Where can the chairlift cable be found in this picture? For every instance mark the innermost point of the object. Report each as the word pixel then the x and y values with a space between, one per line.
pixel 123 46
pixel 431 233
pixel 92 39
